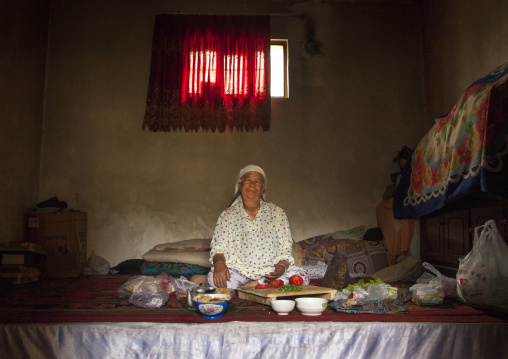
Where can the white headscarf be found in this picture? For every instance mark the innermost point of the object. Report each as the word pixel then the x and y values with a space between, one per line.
pixel 243 171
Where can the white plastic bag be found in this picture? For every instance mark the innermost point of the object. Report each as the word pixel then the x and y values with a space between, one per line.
pixel 96 265
pixel 482 277
pixel 449 285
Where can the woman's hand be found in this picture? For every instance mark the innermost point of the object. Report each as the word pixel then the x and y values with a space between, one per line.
pixel 280 269
pixel 221 271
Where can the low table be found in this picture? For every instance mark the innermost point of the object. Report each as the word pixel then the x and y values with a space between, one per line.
pixel 265 296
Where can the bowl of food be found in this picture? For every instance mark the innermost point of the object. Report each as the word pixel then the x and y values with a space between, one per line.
pixel 282 306
pixel 211 306
pixel 311 305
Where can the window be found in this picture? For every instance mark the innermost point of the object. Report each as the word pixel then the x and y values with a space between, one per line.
pixel 279 68
pixel 235 70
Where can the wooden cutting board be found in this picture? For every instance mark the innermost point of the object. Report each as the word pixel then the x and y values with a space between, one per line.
pixel 265 296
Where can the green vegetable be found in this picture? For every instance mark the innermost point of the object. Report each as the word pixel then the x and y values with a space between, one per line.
pixel 364 285
pixel 290 288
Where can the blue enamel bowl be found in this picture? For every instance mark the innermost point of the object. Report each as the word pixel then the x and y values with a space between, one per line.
pixel 215 309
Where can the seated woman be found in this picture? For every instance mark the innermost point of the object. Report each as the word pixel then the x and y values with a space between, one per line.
pixel 252 242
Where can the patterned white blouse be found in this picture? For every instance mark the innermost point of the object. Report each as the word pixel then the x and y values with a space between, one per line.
pixel 253 246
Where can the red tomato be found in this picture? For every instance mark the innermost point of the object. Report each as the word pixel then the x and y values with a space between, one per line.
pixel 296 280
pixel 263 286
pixel 277 283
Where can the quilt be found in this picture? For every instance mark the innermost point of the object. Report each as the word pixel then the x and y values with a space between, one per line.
pixel 464 152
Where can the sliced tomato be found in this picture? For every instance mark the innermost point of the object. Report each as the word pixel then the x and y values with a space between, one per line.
pixel 277 283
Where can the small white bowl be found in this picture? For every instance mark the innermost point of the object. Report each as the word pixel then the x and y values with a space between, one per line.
pixel 311 306
pixel 282 307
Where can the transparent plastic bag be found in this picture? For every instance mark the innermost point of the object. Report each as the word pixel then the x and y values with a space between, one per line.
pixel 427 294
pixel 182 284
pixel 449 285
pixel 96 265
pixel 425 278
pixel 148 292
pixel 148 298
pixel 483 273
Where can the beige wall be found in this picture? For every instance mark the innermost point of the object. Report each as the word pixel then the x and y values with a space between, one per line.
pixel 464 40
pixel 23 43
pixel 328 155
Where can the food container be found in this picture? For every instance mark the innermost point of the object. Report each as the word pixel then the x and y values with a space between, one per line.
pixel 311 306
pixel 211 306
pixel 282 307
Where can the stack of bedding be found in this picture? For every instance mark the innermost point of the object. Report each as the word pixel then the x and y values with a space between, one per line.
pixel 190 257
pixel 184 258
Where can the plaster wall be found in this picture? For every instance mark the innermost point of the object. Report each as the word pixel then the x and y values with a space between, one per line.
pixel 23 44
pixel 328 155
pixel 463 41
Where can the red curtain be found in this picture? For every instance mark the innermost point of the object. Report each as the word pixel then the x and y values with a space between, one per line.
pixel 209 72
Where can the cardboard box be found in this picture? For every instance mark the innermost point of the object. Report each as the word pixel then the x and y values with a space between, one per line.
pixel 64 237
pixel 22 253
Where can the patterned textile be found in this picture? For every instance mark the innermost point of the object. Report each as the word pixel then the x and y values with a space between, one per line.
pixel 316 271
pixel 172 269
pixel 337 274
pixel 363 257
pixel 387 306
pixel 463 153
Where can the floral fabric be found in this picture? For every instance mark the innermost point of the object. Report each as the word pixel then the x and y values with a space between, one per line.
pixel 463 153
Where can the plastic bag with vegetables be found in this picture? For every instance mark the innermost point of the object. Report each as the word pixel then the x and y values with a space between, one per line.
pixel 366 291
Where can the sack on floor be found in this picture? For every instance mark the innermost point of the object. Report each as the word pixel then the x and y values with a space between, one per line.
pixel 483 273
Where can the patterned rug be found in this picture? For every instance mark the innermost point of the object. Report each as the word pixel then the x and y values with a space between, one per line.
pixel 95 299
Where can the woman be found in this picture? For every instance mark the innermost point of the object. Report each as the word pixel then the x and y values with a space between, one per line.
pixel 252 242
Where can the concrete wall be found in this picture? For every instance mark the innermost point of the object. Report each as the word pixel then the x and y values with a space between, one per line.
pixel 328 155
pixel 23 44
pixel 463 40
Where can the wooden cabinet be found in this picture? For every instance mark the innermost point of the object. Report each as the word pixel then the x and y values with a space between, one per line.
pixel 447 235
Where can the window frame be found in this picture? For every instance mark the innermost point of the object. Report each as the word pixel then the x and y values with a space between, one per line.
pixel 284 44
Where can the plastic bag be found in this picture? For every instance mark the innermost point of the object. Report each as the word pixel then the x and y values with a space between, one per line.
pixel 483 273
pixel 96 265
pixel 371 291
pixel 427 294
pixel 147 292
pixel 449 285
pixel 149 299
pixel 425 278
pixel 182 284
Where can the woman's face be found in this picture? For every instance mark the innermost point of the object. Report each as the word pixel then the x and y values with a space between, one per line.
pixel 252 186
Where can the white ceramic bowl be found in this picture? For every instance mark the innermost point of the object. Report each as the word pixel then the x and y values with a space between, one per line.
pixel 311 306
pixel 282 307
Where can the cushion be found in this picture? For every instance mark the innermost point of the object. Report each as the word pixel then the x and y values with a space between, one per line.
pixel 323 247
pixel 407 268
pixel 172 269
pixel 189 245
pixel 337 274
pixel 201 258
pixel 316 271
pixel 363 257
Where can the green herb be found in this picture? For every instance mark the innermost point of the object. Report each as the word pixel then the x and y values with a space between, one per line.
pixel 290 288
